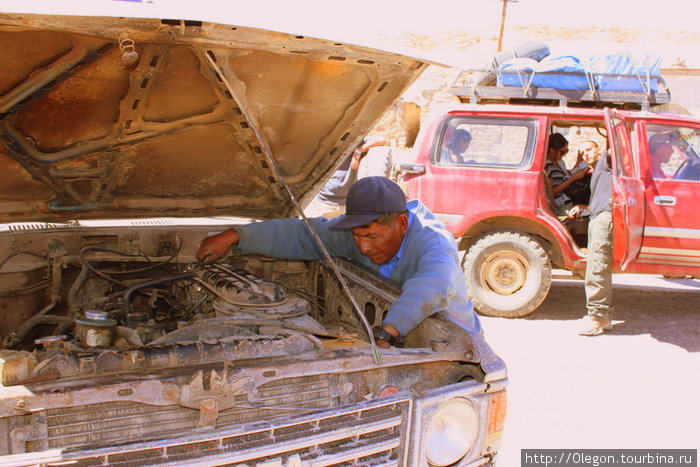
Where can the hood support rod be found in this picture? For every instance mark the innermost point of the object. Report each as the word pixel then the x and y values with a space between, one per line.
pixel 268 155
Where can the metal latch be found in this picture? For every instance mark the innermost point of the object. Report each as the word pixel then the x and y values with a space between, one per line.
pixel 416 169
pixel 665 200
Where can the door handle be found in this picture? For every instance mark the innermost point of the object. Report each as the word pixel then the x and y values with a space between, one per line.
pixel 665 200
pixel 411 169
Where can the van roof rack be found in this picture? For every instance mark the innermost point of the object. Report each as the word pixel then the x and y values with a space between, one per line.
pixel 489 93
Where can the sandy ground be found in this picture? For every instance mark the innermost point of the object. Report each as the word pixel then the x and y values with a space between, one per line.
pixel 637 387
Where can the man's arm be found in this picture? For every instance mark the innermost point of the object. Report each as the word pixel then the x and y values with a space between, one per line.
pixel 351 174
pixel 433 288
pixel 579 174
pixel 282 238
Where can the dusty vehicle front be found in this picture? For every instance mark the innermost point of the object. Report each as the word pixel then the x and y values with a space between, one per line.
pixel 123 143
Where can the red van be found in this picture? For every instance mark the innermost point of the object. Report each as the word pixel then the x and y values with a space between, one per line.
pixel 495 199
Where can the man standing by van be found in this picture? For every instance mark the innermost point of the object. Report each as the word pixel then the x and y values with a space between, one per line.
pixel 600 252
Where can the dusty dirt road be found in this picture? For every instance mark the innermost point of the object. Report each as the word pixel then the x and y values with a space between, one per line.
pixel 637 387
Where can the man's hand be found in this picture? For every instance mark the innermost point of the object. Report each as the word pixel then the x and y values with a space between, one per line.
pixel 355 161
pixel 575 212
pixel 381 343
pixel 578 175
pixel 215 247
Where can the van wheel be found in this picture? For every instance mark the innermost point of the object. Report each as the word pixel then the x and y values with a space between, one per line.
pixel 508 274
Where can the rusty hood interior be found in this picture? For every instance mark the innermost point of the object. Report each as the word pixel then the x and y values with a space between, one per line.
pixel 113 117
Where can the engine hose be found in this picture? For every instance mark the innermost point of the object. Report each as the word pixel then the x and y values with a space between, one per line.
pixel 73 306
pixel 63 323
pixel 133 288
pixel 129 335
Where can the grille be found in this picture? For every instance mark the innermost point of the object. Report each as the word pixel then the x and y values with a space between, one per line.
pixel 122 422
pixel 154 221
pixel 372 434
pixel 31 226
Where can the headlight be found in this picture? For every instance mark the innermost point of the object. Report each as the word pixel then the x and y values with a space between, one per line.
pixel 451 432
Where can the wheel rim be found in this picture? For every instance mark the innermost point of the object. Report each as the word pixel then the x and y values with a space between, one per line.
pixel 504 272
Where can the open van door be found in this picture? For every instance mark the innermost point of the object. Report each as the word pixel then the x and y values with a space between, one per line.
pixel 628 192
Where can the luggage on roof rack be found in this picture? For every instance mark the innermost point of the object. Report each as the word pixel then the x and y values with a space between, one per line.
pixel 615 80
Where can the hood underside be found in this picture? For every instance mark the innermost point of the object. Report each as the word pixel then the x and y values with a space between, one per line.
pixel 105 117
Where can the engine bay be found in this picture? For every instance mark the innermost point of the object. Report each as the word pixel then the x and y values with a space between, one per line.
pixel 94 304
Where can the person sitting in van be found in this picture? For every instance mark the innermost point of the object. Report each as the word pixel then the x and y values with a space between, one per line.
pixel 453 151
pixel 660 150
pixel 567 187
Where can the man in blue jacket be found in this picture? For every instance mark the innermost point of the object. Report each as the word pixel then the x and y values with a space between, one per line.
pixel 401 242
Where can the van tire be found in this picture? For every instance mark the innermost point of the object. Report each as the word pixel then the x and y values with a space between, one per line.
pixel 508 274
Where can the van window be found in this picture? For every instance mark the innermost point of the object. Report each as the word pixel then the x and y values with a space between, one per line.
pixel 624 161
pixel 673 152
pixel 485 142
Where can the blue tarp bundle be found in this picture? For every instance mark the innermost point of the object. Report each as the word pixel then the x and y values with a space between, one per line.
pixel 642 68
pixel 569 72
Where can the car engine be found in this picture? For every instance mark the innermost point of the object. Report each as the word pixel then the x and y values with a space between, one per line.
pixel 109 310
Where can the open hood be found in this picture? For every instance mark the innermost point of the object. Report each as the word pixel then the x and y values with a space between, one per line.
pixel 113 117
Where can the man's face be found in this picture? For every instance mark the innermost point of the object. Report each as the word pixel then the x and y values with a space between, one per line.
pixel 591 153
pixel 663 154
pixel 380 242
pixel 463 144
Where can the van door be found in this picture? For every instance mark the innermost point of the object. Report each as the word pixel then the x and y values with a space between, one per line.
pixel 628 192
pixel 672 185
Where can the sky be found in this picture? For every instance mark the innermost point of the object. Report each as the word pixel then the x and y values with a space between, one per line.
pixel 379 22
pixel 643 14
pixel 371 16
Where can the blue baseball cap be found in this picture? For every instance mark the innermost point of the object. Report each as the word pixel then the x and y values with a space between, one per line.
pixel 367 200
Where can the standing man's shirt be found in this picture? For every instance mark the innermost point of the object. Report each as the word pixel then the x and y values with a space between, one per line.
pixel 336 188
pixel 601 187
pixel 427 269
